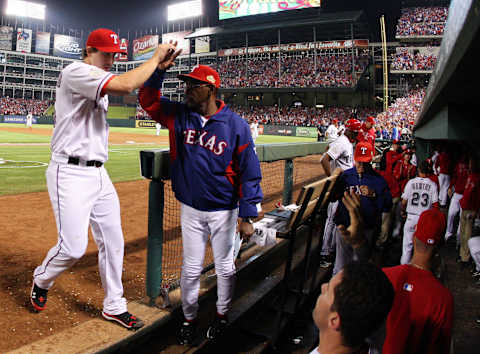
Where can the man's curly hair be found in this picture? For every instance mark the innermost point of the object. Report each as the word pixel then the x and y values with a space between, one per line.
pixel 363 300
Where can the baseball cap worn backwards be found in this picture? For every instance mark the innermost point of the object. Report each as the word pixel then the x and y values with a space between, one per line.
pixel 203 73
pixel 105 40
pixel 431 227
pixel 363 152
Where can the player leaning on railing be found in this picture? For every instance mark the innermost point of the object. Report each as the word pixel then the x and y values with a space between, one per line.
pixel 215 176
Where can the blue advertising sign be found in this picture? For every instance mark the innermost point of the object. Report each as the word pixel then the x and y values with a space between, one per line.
pixel 67 46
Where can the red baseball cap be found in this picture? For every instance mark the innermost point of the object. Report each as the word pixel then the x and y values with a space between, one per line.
pixel 395 141
pixel 105 40
pixel 431 227
pixel 363 152
pixel 335 121
pixel 370 119
pixel 203 73
pixel 353 124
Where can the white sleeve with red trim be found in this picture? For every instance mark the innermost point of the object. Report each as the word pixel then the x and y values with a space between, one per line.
pixel 87 80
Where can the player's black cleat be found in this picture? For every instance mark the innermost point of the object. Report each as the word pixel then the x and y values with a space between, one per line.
pixel 38 297
pixel 126 319
pixel 217 328
pixel 186 335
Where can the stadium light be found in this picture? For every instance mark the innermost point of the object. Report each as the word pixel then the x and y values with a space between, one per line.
pixel 26 9
pixel 184 10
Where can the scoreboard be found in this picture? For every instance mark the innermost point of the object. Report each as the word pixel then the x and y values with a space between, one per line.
pixel 228 9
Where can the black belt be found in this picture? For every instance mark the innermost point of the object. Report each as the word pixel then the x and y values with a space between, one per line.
pixel 91 163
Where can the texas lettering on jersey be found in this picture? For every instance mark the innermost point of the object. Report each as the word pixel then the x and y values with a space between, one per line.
pixel 200 137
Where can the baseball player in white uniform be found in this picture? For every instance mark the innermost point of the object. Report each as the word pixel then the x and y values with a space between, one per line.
pixel 158 126
pixel 420 194
pixel 79 187
pixel 338 156
pixel 254 130
pixel 29 121
pixel 332 131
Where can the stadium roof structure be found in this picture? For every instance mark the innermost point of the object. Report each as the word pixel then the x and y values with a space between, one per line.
pixel 450 108
pixel 329 26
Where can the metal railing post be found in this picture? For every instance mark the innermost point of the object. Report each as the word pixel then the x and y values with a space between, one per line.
pixel 288 182
pixel 155 239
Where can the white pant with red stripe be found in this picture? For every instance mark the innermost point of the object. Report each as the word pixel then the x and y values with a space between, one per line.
pixel 81 196
pixel 444 181
pixel 408 231
pixel 474 246
pixel 453 210
pixel 197 225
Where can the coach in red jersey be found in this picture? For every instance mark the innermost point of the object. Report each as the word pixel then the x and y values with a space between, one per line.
pixel 470 204
pixel 422 314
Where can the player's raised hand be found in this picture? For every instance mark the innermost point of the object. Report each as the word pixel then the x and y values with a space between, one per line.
pixel 168 60
pixel 354 234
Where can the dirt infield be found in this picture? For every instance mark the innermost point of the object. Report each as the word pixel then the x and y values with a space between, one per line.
pixel 29 231
pixel 114 137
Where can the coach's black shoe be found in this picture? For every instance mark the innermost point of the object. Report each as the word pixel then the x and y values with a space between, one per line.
pixel 217 327
pixel 188 330
pixel 38 297
pixel 126 319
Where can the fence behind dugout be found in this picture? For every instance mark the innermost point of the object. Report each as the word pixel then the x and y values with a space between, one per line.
pixel 286 168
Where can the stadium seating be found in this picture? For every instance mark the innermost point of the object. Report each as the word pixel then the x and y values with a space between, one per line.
pixel 404 59
pixel 422 21
pixel 21 106
pixel 297 71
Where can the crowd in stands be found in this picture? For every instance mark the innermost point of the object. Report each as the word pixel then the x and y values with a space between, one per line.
pixel 404 59
pixel 422 21
pixel 331 71
pixel 23 106
pixel 298 116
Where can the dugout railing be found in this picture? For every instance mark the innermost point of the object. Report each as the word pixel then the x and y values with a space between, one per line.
pixel 286 168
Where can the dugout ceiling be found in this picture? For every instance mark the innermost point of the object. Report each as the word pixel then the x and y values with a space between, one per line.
pixel 451 106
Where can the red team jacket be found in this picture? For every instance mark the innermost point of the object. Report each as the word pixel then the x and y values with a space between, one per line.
pixel 403 172
pixel 471 194
pixel 392 183
pixel 420 321
pixel 443 163
pixel 392 157
pixel 459 178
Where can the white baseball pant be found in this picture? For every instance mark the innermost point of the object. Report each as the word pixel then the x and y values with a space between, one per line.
pixel 79 196
pixel 453 210
pixel 408 231
pixel 444 181
pixel 196 226
pixel 328 243
pixel 474 246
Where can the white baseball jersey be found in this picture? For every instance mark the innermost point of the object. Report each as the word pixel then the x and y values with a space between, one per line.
pixel 332 133
pixel 341 152
pixel 421 193
pixel 29 119
pixel 81 128
pixel 254 130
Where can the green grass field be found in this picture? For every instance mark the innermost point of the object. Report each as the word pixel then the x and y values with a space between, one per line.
pixel 123 163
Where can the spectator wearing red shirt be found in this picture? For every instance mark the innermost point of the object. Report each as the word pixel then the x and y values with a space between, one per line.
pixel 470 204
pixel 422 314
pixel 459 179
pixel 443 166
